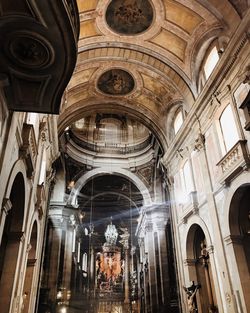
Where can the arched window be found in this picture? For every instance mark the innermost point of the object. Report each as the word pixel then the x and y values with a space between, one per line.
pixel 178 121
pixel 228 128
pixel 211 61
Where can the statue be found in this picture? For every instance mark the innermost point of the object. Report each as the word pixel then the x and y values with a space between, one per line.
pixel 191 292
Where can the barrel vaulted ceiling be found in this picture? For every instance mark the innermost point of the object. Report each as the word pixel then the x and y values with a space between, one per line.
pixel 161 46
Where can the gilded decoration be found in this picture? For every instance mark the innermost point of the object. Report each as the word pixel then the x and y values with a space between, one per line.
pixel 129 17
pixel 116 82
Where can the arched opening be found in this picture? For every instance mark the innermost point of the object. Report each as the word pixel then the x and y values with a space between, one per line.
pixel 200 272
pixel 30 268
pixel 239 223
pixel 10 244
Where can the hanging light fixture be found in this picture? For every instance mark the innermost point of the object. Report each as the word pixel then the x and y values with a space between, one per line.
pixel 111 234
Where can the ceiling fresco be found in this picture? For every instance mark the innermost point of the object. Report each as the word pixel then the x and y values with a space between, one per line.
pixel 129 17
pixel 162 43
pixel 116 82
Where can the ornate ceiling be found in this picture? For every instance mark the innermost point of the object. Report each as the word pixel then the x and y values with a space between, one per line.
pixel 161 53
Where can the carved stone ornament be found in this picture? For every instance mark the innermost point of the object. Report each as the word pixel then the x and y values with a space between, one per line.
pixel 29 50
pixel 116 82
pixel 38 51
pixel 129 17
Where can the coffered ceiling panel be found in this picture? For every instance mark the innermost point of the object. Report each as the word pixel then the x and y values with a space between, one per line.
pixel 81 77
pixel 171 43
pixel 182 16
pixel 88 29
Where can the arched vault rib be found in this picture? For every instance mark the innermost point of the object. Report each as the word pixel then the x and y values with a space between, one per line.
pixel 144 58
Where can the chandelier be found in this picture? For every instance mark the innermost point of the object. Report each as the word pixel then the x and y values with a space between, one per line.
pixel 111 234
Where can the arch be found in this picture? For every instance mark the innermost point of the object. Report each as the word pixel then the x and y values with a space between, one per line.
pixel 232 198
pixel 195 222
pixel 18 167
pixel 201 49
pixel 170 115
pixel 12 238
pixel 106 170
pixel 81 108
pixel 200 268
pixel 238 241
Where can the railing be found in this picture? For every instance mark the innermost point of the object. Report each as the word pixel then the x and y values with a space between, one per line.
pixel 234 162
pixel 115 148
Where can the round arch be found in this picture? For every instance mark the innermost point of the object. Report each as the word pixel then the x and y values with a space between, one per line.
pixel 198 247
pixel 12 236
pixel 81 108
pixel 106 170
pixel 237 238
pixel 234 194
pixel 18 167
pixel 195 221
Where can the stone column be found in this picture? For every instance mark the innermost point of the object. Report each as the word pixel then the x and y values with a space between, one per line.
pixel 149 235
pixel 125 243
pixel 55 237
pixel 67 266
pixel 163 262
pixel 126 298
pixel 240 273
pixel 92 268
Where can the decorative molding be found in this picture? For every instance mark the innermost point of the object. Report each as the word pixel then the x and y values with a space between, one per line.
pixel 6 206
pixel 31 262
pixel 199 143
pixel 189 262
pixel 149 227
pixel 233 239
pixel 37 66
pixel 210 249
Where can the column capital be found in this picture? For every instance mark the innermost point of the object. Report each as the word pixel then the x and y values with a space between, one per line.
pixel 233 239
pixel 141 241
pixel 31 262
pixel 189 262
pixel 149 227
pixel 7 205
pixel 160 225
